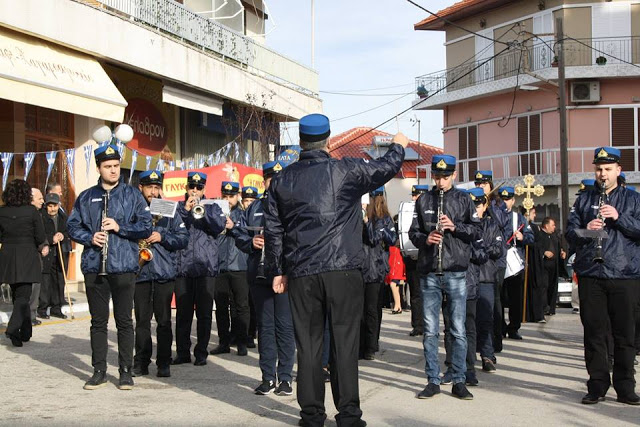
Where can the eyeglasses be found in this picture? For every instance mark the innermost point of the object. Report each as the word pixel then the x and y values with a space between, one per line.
pixel 195 186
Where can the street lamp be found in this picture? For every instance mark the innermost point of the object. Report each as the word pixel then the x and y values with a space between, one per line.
pixel 122 133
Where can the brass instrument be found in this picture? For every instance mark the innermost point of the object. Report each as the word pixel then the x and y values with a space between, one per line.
pixel 603 201
pixel 439 229
pixel 105 247
pixel 198 210
pixel 144 248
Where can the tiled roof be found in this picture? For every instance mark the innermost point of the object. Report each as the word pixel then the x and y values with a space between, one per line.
pixel 459 10
pixel 354 143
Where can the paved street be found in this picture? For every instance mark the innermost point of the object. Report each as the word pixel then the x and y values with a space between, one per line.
pixel 539 380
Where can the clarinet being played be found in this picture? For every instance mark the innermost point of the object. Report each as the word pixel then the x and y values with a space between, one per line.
pixel 439 229
pixel 603 201
pixel 105 247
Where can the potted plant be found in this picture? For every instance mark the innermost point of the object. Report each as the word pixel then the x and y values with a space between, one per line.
pixel 601 60
pixel 554 63
pixel 422 91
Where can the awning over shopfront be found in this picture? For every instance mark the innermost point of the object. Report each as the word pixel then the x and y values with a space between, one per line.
pixel 33 71
pixel 192 101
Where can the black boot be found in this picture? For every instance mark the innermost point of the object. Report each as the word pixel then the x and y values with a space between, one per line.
pixel 140 370
pixel 98 380
pixel 164 371
pixel 220 349
pixel 126 380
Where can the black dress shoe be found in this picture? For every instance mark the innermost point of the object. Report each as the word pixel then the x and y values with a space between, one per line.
pixel 221 349
pixel 200 362
pixel 98 380
pixel 180 360
pixel 17 342
pixel 592 398
pixel 515 336
pixel 35 322
pixel 415 332
pixel 629 399
pixel 43 316
pixel 242 350
pixel 139 371
pixel 59 315
pixel 164 371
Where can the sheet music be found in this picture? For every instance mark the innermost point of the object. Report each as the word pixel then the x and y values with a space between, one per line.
pixel 224 205
pixel 163 207
pixel 592 234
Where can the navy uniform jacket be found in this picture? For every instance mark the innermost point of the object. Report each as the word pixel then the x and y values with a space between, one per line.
pixel 528 237
pixel 313 213
pixel 253 217
pixel 376 257
pixel 200 257
pixel 498 212
pixel 495 248
pixel 129 209
pixel 620 249
pixel 231 258
pixel 456 247
pixel 162 268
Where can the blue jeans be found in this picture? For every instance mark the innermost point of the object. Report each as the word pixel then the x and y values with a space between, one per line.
pixel 453 284
pixel 485 320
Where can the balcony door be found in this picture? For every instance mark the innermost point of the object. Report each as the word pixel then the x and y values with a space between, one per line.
pixel 611 31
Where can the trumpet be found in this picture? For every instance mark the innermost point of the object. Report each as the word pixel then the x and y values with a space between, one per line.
pixel 198 210
pixel 144 248
pixel 105 247
pixel 603 201
pixel 439 229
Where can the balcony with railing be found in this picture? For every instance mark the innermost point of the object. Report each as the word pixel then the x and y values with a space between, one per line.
pixel 509 168
pixel 538 58
pixel 175 20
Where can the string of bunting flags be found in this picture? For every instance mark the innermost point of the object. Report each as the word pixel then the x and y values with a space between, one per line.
pixel 231 152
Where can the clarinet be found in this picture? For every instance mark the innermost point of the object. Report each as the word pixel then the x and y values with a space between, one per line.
pixel 439 229
pixel 105 247
pixel 603 200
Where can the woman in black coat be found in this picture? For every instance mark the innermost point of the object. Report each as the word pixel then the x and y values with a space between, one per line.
pixel 22 237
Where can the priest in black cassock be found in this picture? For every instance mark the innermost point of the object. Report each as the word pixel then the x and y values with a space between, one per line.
pixel 536 291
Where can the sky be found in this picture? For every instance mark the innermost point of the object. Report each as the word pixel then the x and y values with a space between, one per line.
pixel 359 46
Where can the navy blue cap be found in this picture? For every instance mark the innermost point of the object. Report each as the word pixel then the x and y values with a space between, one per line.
pixel 249 192
pixel 506 192
pixel 443 164
pixel 230 188
pixel 106 152
pixel 149 177
pixel 377 192
pixel 484 176
pixel 196 178
pixel 586 185
pixel 271 168
pixel 606 155
pixel 477 195
pixel 314 128
pixel 416 190
pixel 631 187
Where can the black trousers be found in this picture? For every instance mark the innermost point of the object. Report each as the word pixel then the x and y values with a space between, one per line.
pixel 190 292
pixel 638 326
pixel 340 295
pixel 514 287
pixel 232 295
pixel 151 299
pixel 19 325
pixel 498 312
pixel 415 295
pixel 51 292
pixel 615 300
pixel 371 317
pixel 551 280
pixel 119 288
pixel 253 318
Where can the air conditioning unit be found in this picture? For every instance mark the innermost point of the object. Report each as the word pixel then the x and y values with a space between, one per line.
pixel 585 91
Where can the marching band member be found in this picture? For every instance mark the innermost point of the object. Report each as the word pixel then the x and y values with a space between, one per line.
pixel 249 194
pixel 232 289
pixel 608 271
pixel 411 265
pixel 108 219
pixel 445 224
pixel 197 269
pixel 276 344
pixel 156 281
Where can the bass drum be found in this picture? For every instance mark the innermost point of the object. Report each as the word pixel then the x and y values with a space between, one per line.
pixel 405 218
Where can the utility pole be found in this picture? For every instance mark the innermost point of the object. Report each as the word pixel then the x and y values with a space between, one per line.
pixel 562 101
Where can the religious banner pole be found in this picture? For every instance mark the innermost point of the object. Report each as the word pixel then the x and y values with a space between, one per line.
pixel 527 203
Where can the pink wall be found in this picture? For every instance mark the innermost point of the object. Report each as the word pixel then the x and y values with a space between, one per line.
pixel 619 91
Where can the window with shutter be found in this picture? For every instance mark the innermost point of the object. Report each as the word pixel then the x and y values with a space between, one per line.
pixel 523 145
pixel 473 151
pixel 623 135
pixel 535 165
pixel 529 139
